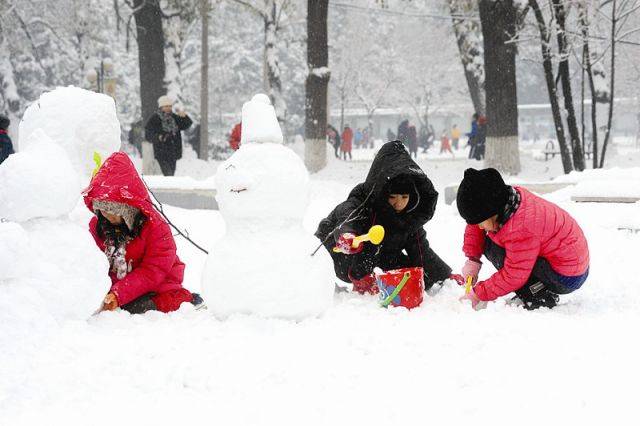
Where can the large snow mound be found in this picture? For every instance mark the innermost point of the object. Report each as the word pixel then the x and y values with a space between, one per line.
pixel 259 121
pixel 59 261
pixel 80 121
pixel 38 181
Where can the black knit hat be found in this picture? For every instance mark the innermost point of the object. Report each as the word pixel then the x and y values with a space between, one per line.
pixel 401 184
pixel 4 122
pixel 482 194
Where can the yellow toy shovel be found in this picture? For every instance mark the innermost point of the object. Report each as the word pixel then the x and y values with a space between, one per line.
pixel 375 236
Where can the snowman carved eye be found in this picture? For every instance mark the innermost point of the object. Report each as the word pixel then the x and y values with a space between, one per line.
pixel 230 166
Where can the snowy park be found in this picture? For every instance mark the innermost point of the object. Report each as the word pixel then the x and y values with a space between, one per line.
pixel 355 237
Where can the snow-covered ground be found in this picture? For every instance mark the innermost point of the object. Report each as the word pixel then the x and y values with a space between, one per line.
pixel 442 363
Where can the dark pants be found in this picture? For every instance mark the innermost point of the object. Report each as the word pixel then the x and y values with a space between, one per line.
pixel 345 155
pixel 361 264
pixel 336 148
pixel 541 273
pixel 167 301
pixel 454 142
pixel 168 166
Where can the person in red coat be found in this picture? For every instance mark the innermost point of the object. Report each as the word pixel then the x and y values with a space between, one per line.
pixel 347 142
pixel 145 271
pixel 235 137
pixel 538 249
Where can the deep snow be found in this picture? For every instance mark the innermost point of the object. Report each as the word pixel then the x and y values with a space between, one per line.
pixel 442 363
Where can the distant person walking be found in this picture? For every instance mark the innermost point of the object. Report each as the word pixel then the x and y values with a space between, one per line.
pixel 347 142
pixel 236 136
pixel 357 138
pixel 334 139
pixel 6 146
pixel 472 135
pixel 481 138
pixel 163 131
pixel 403 132
pixel 413 141
pixel 445 144
pixel 455 136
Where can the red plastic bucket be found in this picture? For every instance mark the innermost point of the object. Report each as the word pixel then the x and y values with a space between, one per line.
pixel 401 287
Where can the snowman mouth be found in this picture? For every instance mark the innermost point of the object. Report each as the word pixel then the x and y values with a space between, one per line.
pixel 238 190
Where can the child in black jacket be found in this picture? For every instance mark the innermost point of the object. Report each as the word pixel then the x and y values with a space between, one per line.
pixel 397 195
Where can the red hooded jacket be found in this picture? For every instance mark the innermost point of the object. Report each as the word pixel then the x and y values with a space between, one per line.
pixel 236 137
pixel 538 228
pixel 155 266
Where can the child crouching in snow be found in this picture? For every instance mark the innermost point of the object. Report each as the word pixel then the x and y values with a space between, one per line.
pixel 538 248
pixel 145 271
pixel 397 195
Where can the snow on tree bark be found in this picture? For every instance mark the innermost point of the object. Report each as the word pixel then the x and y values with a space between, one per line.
pixel 317 84
pixel 469 39
pixel 148 17
pixel 498 21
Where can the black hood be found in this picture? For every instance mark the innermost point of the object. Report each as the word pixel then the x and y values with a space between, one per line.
pixel 394 160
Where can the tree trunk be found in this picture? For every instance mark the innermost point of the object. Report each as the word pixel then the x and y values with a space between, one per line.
pixel 607 135
pixel 592 89
pixel 150 37
pixel 565 76
pixel 498 21
pixel 273 82
pixel 545 38
pixel 317 85
pixel 468 37
pixel 204 82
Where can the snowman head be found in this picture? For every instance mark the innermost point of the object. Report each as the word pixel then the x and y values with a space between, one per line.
pixel 259 122
pixel 264 181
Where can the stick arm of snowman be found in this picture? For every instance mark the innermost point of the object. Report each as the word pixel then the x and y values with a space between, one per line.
pixel 158 206
pixel 347 220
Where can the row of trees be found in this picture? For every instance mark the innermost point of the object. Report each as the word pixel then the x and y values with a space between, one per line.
pixel 583 33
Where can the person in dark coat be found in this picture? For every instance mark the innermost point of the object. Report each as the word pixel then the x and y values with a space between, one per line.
pixel 413 141
pixel 334 138
pixel 473 135
pixel 403 132
pixel 481 138
pixel 6 147
pixel 163 131
pixel 399 196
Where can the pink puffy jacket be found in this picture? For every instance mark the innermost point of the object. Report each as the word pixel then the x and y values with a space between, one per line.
pixel 538 228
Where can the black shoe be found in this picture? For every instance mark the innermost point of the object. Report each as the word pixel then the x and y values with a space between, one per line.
pixel 197 301
pixel 141 305
pixel 534 296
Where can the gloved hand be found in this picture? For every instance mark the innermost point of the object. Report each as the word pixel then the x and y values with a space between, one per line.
pixel 344 244
pixel 476 303
pixel 471 268
pixel 366 284
pixel 459 279
pixel 110 302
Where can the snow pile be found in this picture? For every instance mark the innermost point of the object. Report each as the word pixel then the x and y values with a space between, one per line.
pixel 263 265
pixel 50 267
pixel 80 121
pixel 25 194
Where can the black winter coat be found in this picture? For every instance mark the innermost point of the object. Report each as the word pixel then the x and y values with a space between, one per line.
pixel 6 147
pixel 368 205
pixel 166 146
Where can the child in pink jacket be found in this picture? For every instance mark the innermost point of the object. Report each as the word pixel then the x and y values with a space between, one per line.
pixel 538 249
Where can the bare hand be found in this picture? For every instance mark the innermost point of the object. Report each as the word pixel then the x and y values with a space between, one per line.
pixel 181 113
pixel 110 302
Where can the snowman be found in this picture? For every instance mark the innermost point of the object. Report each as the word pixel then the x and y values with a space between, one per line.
pixel 262 265
pixel 50 268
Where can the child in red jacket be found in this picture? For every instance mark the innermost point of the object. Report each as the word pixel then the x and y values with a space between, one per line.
pixel 145 270
pixel 538 248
